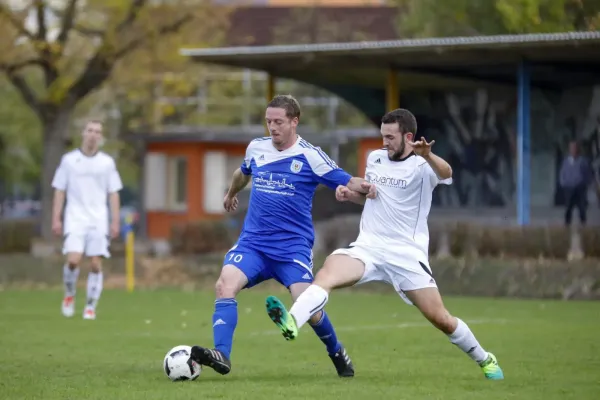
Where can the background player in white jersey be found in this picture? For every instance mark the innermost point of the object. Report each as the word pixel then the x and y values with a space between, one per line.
pixel 393 242
pixel 85 178
pixel 277 238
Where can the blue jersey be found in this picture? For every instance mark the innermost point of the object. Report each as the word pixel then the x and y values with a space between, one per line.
pixel 279 220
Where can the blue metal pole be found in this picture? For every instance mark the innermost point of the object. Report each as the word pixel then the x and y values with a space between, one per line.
pixel 523 142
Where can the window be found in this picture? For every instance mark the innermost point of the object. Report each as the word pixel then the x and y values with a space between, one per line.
pixel 215 181
pixel 218 169
pixel 165 182
pixel 155 182
pixel 177 177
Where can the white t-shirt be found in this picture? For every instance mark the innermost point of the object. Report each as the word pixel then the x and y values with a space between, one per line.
pixel 87 181
pixel 396 220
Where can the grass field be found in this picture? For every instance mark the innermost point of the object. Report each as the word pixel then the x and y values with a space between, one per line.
pixel 548 350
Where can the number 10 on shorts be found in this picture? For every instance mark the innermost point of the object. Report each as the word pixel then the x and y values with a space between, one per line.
pixel 235 257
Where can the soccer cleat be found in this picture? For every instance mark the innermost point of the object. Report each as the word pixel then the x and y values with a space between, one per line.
pixel 89 313
pixel 282 318
pixel 491 369
pixel 343 363
pixel 212 358
pixel 68 306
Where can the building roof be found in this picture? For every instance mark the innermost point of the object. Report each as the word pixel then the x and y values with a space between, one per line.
pixel 239 134
pixel 557 59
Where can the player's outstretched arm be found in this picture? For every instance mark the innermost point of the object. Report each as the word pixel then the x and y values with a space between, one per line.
pixel 342 193
pixel 239 181
pixel 363 186
pixel 422 148
pixel 442 169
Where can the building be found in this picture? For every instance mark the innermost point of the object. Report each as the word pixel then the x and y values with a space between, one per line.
pixel 187 170
pixel 186 174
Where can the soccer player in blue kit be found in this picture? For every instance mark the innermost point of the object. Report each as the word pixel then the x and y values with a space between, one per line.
pixel 277 238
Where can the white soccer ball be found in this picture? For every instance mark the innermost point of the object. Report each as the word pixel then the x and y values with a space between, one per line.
pixel 179 366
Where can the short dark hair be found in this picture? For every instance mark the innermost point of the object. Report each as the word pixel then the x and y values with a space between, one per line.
pixel 288 103
pixel 405 119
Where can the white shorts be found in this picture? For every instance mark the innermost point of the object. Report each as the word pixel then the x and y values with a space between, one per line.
pixel 404 271
pixel 92 243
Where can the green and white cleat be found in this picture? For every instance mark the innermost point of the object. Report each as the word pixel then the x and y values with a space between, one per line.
pixel 491 369
pixel 282 318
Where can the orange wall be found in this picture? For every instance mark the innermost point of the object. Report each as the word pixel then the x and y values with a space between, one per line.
pixel 159 222
pixel 365 147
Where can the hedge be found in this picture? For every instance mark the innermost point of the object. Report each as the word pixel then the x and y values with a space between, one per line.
pixel 462 239
pixel 202 237
pixel 16 235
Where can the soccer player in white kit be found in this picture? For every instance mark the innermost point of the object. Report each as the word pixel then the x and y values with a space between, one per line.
pixel 393 242
pixel 86 178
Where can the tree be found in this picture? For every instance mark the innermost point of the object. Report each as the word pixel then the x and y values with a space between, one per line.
pixel 73 49
pixel 440 18
pixel 20 158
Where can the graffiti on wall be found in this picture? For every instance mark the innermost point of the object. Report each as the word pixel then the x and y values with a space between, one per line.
pixel 476 132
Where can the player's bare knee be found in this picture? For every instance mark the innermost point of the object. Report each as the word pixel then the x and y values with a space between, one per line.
pixel 339 271
pixel 96 264
pixel 225 289
pixel 442 320
pixel 230 282
pixel 326 276
pixel 316 318
pixel 73 260
pixel 324 281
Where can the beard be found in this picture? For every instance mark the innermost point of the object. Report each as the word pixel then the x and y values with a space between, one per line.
pixel 397 156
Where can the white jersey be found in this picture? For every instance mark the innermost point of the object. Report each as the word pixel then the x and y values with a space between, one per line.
pixel 87 181
pixel 396 220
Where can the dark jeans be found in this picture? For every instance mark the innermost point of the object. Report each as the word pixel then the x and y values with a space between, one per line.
pixel 576 197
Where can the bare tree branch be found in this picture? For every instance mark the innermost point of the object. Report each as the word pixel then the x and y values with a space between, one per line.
pixel 134 10
pixel 15 22
pixel 15 67
pixel 99 68
pixel 41 20
pixel 91 32
pixel 68 21
pixel 26 92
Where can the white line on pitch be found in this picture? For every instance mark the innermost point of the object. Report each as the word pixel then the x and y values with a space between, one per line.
pixel 391 326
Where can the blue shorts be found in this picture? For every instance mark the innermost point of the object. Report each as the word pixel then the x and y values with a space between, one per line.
pixel 259 267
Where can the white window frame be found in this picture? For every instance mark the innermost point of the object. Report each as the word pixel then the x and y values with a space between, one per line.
pixel 174 204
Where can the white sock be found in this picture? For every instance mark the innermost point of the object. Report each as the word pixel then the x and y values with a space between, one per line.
pixel 309 303
pixel 94 288
pixel 465 340
pixel 70 280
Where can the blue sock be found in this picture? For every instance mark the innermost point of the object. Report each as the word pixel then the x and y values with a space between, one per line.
pixel 326 333
pixel 224 322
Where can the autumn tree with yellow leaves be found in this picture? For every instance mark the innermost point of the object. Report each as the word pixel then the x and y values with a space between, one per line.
pixel 55 53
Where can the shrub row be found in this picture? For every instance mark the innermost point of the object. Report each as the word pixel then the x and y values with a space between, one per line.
pixel 461 239
pixel 16 235
pixel 192 238
pixel 555 242
pixel 201 237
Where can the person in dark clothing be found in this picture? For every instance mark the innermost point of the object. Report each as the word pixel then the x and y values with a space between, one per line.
pixel 575 177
